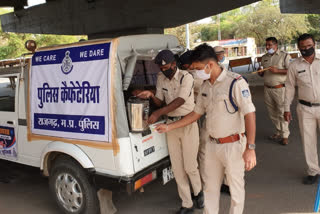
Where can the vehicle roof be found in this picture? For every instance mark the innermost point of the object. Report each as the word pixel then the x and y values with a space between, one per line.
pixel 131 48
pixel 126 43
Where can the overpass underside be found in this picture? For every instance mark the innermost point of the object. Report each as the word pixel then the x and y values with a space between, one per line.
pixel 105 18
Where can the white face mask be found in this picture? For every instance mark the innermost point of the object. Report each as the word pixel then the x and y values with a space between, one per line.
pixel 271 51
pixel 201 74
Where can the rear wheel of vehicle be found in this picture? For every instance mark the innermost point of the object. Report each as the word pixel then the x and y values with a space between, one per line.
pixel 72 189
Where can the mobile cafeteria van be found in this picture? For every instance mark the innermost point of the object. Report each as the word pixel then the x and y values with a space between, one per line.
pixel 64 111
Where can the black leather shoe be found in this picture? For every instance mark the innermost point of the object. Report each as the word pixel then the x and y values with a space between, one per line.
pixel 225 189
pixel 184 210
pixel 198 201
pixel 310 179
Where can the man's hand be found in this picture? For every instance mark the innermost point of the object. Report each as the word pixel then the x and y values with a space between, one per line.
pixel 249 157
pixel 154 117
pixel 261 74
pixel 274 69
pixel 162 128
pixel 145 94
pixel 287 116
pixel 136 92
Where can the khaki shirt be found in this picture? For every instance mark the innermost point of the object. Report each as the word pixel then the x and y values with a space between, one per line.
pixel 307 77
pixel 198 82
pixel 214 101
pixel 197 85
pixel 280 60
pixel 181 85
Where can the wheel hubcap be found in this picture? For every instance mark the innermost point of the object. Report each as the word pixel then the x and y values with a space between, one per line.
pixel 69 192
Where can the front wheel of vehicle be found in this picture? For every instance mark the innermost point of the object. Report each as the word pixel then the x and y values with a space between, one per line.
pixel 72 189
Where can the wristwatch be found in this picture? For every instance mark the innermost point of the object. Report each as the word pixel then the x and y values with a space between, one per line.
pixel 252 146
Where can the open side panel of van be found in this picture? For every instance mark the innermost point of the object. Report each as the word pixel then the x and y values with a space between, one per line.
pixel 148 147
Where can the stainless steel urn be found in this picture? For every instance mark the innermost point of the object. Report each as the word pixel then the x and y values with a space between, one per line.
pixel 138 113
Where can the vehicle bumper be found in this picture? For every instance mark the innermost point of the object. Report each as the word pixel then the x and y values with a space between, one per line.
pixel 128 183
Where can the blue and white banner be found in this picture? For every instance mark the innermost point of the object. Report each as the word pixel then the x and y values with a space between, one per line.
pixel 70 93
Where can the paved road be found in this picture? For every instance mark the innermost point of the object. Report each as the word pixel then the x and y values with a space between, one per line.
pixel 273 187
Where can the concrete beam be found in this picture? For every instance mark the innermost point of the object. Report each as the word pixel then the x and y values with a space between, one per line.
pixel 300 6
pixel 17 4
pixel 125 32
pixel 106 17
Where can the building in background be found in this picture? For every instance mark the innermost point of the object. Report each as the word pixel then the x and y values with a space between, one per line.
pixel 235 47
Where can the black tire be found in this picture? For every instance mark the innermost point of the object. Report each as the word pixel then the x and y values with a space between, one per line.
pixel 63 166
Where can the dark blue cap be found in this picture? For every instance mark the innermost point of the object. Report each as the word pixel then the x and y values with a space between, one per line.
pixel 164 57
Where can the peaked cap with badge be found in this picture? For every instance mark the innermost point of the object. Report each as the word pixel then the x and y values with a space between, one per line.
pixel 164 57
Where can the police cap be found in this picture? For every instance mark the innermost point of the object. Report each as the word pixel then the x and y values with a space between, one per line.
pixel 218 49
pixel 164 57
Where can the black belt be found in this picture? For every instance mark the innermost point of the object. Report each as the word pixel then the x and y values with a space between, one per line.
pixel 175 118
pixel 303 102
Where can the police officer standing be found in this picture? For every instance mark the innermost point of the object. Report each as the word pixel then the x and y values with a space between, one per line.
pixel 220 53
pixel 185 61
pixel 227 149
pixel 274 78
pixel 304 73
pixel 175 92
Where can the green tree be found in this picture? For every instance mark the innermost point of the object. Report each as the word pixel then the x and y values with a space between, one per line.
pixel 209 33
pixel 314 21
pixel 228 27
pixel 264 19
pixel 12 44
pixel 228 22
pixel 180 33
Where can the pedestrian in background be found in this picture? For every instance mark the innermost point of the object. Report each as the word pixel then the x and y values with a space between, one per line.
pixel 304 73
pixel 277 63
pixel 220 53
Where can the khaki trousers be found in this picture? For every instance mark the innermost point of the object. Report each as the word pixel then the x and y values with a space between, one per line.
pixel 220 160
pixel 309 121
pixel 204 136
pixel 183 145
pixel 274 100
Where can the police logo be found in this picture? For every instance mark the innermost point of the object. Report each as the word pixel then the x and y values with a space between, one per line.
pixel 245 93
pixel 66 66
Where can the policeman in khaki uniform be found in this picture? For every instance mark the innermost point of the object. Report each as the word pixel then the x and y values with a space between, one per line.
pixel 175 90
pixel 228 151
pixel 304 73
pixel 274 78
pixel 220 53
pixel 185 60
